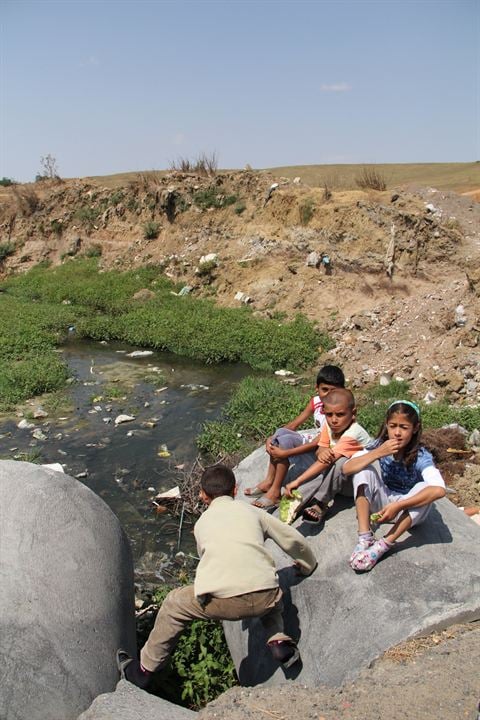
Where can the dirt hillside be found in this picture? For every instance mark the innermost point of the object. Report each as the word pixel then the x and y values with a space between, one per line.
pixel 400 296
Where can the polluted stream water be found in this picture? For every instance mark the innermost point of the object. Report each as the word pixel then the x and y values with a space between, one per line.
pixel 129 419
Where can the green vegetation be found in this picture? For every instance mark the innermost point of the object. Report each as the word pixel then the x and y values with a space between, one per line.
pixel 6 249
pixel 212 197
pixel 6 182
pixel 260 405
pixel 87 215
pixel 201 667
pixel 94 251
pixel 305 211
pixel 151 230
pixel 34 320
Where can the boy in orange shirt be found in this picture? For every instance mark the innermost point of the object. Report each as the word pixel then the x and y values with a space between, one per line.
pixel 340 438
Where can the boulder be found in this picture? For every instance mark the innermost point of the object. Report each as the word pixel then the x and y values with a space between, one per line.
pixel 128 702
pixel 343 620
pixel 66 594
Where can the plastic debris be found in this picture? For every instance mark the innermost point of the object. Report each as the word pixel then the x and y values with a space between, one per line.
pixel 123 419
pixel 169 494
pixel 140 353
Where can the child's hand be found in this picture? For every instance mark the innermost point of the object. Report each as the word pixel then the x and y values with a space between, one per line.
pixel 277 453
pixel 326 455
pixel 390 447
pixel 389 512
pixel 291 486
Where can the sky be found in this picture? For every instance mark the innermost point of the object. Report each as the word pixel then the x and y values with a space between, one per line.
pixel 107 86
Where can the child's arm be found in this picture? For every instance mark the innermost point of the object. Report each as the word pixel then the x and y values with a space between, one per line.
pixel 424 497
pixel 355 464
pixel 315 469
pixel 291 542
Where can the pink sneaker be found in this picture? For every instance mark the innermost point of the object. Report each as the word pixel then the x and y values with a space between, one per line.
pixel 363 544
pixel 366 560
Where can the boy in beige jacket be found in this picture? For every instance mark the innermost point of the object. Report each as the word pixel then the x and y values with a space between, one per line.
pixel 236 577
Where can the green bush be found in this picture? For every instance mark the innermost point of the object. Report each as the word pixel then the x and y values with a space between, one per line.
pixel 151 230
pixel 87 215
pixel 94 251
pixel 6 182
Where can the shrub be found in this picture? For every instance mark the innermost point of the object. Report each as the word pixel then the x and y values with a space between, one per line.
pixel 240 207
pixel 372 179
pixel 56 227
pixel 6 249
pixel 151 230
pixel 49 169
pixel 87 215
pixel 305 211
pixel 93 251
pixel 200 668
pixel 6 182
pixel 203 165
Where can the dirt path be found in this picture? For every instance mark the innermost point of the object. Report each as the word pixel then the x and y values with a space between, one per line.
pixel 436 678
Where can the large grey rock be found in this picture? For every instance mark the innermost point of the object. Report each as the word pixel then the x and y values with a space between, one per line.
pixel 344 620
pixel 130 703
pixel 66 594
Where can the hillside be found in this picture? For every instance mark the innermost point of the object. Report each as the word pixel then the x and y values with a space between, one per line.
pixel 403 261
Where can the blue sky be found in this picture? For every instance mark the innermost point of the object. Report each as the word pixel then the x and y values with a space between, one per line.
pixel 110 86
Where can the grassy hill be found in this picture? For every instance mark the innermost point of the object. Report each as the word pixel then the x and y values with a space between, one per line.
pixel 459 177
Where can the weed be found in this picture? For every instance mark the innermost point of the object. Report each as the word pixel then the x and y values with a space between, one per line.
pixel 240 207
pixel 116 197
pixel 151 230
pixel 206 269
pixel 56 226
pixel 87 215
pixel 327 193
pixel 203 165
pixel 94 251
pixel 305 211
pixel 372 179
pixel 6 249
pixel 453 224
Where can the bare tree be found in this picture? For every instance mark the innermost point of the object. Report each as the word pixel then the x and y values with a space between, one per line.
pixel 49 168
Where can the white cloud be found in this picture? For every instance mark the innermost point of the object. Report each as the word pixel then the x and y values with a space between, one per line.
pixel 336 87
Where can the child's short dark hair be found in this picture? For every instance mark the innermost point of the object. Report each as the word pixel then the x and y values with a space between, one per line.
pixel 217 480
pixel 331 375
pixel 338 396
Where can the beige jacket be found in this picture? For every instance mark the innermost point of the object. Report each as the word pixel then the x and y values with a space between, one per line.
pixel 231 538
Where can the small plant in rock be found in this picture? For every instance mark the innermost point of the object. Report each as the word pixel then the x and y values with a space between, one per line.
pixel 206 269
pixel 371 179
pixel 151 230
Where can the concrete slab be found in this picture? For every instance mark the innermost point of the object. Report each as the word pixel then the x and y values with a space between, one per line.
pixel 130 703
pixel 343 620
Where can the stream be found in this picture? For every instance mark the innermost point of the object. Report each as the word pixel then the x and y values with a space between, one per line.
pixel 169 398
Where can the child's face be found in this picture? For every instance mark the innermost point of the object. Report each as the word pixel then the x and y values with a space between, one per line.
pixel 400 427
pixel 323 389
pixel 339 417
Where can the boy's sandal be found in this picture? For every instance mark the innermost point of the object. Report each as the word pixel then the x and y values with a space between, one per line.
pixel 123 659
pixel 314 513
pixel 264 503
pixel 253 491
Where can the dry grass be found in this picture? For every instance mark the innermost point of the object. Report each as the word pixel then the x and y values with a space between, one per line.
pixel 416 646
pixel 459 177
